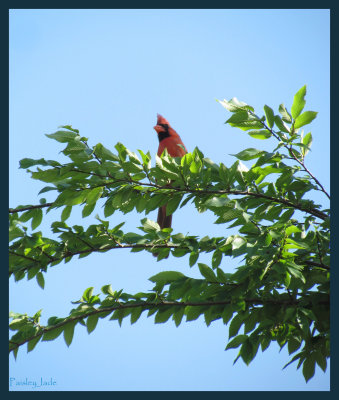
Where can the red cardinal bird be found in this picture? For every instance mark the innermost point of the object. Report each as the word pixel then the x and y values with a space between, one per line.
pixel 170 140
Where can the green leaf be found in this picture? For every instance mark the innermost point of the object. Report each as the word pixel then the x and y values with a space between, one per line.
pixel 246 351
pixel 309 367
pixel 224 174
pixel 269 116
pixel 121 150
pixel 235 325
pixel 307 141
pixel 15 352
pixel 52 334
pixel 63 136
pixel 286 116
pixel 244 121
pixel 292 229
pixel 88 209
pixel 69 332
pixel 149 225
pixel 222 276
pixel 94 195
pixel 238 242
pixel 91 322
pixel 298 102
pixel 71 197
pixel 294 270
pixel 166 277
pixel 69 127
pixel 178 315
pixel 19 275
pixel 196 166
pixel 194 312
pixel 104 154
pixel 287 279
pixel 66 212
pixel 109 208
pixel 40 279
pixel 286 216
pixel 281 126
pixel 75 147
pixel 217 202
pixel 193 258
pixel 155 201
pixel 216 258
pixel 131 168
pixel 236 342
pixel 37 218
pixel 29 162
pixel 207 272
pixel 248 154
pixel 320 359
pixel 265 342
pixel 47 189
pixel 26 216
pixel 49 175
pixel 163 315
pixel 32 343
pixel 251 321
pixel 227 313
pixel 211 314
pixel 107 289
pixel 88 293
pixel 135 314
pixel 32 271
pixel 119 315
pixel 15 232
pixel 173 204
pixel 305 118
pixel 235 105
pixel 18 323
pixel 260 134
pixel 293 345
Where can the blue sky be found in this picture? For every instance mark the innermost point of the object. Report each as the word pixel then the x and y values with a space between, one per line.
pixel 108 73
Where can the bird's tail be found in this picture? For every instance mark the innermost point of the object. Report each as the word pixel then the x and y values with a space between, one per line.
pixel 164 221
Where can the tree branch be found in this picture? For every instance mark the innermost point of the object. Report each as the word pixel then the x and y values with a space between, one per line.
pixel 14 210
pixel 285 202
pixel 117 245
pixel 147 305
pixel 315 264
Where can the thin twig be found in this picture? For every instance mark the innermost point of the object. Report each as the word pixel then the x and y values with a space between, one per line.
pixel 290 150
pixel 14 210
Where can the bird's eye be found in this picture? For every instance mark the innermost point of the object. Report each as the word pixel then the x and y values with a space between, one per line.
pixel 164 126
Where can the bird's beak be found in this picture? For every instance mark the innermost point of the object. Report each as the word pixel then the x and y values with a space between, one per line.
pixel 158 128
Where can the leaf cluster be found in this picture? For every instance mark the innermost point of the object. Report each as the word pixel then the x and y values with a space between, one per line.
pixel 280 289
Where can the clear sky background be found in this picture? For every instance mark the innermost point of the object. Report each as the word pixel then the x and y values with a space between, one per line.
pixel 108 73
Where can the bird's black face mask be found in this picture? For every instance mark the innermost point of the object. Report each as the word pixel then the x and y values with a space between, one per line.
pixel 163 135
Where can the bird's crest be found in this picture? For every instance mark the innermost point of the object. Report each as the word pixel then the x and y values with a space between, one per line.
pixel 161 120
